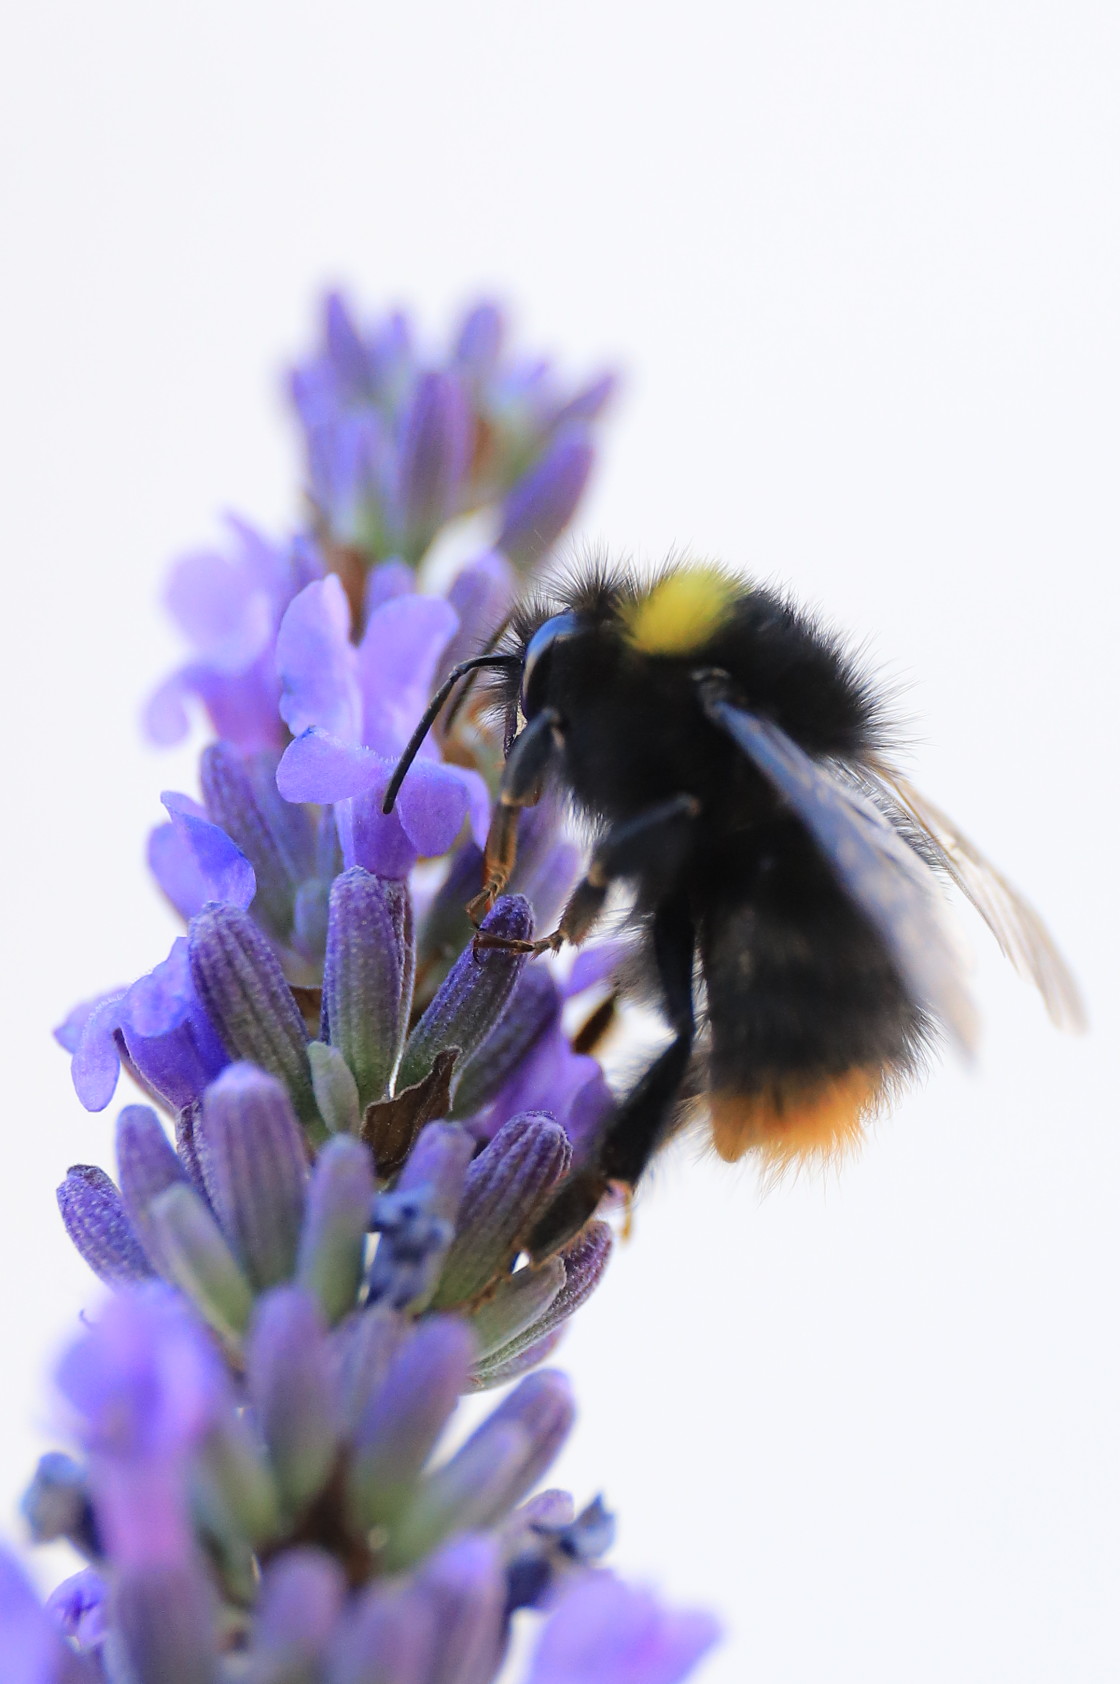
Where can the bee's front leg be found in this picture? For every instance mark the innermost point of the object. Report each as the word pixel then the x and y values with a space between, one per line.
pixel 522 781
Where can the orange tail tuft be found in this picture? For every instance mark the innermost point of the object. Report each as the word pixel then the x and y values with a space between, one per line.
pixel 795 1122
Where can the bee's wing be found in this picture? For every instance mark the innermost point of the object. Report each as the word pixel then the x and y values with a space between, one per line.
pixel 891 886
pixel 1022 936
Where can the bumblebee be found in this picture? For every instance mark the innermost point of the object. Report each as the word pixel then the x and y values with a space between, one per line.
pixel 734 763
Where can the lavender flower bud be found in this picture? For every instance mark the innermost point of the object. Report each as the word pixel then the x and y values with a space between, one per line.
pixel 147 1164
pixel 505 1186
pixel 95 1219
pixel 464 1495
pixel 279 853
pixel 290 1386
pixel 333 1240
pixel 532 1011
pixel 239 980
pixel 387 1636
pixel 473 996
pixel 336 1091
pixel 584 1261
pixel 194 1254
pixel 465 1586
pixel 234 1486
pixel 502 1367
pixel 540 506
pixel 480 337
pixel 365 1346
pixel 434 458
pixel 402 1421
pixel 301 1596
pixel 500 1462
pixel 364 1013
pixel 517 1307
pixel 163 1626
pixel 255 1164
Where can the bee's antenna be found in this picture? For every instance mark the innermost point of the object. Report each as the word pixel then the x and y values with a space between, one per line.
pixel 491 644
pixel 431 713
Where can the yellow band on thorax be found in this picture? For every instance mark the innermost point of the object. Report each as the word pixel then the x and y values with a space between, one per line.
pixel 681 612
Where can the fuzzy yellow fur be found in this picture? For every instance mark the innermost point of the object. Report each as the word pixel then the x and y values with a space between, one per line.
pixel 681 611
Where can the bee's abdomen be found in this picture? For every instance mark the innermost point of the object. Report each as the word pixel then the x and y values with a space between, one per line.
pixel 809 1020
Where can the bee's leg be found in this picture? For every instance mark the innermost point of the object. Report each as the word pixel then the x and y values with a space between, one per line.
pixel 642 1122
pixel 653 843
pixel 525 767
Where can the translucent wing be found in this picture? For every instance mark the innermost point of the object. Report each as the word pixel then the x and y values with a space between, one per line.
pixel 887 880
pixel 1022 936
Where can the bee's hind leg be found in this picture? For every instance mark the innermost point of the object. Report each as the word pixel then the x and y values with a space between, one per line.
pixel 644 1119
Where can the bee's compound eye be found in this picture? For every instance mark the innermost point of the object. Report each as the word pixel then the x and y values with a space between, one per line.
pixel 538 660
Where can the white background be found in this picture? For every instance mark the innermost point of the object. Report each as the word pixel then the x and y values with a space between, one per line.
pixel 860 263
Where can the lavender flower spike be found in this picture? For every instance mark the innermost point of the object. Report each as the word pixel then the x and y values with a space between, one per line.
pixel 314 1246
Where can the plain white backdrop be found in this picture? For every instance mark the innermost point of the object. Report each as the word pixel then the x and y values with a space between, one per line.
pixel 860 264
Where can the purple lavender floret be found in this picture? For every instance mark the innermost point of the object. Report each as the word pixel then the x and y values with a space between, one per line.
pixel 315 1238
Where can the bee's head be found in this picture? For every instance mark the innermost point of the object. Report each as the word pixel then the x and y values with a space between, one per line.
pixel 537 664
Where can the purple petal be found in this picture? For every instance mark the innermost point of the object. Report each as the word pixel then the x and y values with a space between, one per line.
pixel 165 718
pixel 389 579
pixel 432 804
pixel 96 1063
pixel 144 1380
pixel 243 707
pixel 316 662
pixel 480 594
pixel 396 664
pixel 34 1653
pixel 79 1607
pixel 221 609
pixel 320 767
pixel 374 840
pixel 197 862
pixel 615 1634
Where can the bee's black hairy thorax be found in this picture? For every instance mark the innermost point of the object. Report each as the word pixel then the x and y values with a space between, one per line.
pixel 632 720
